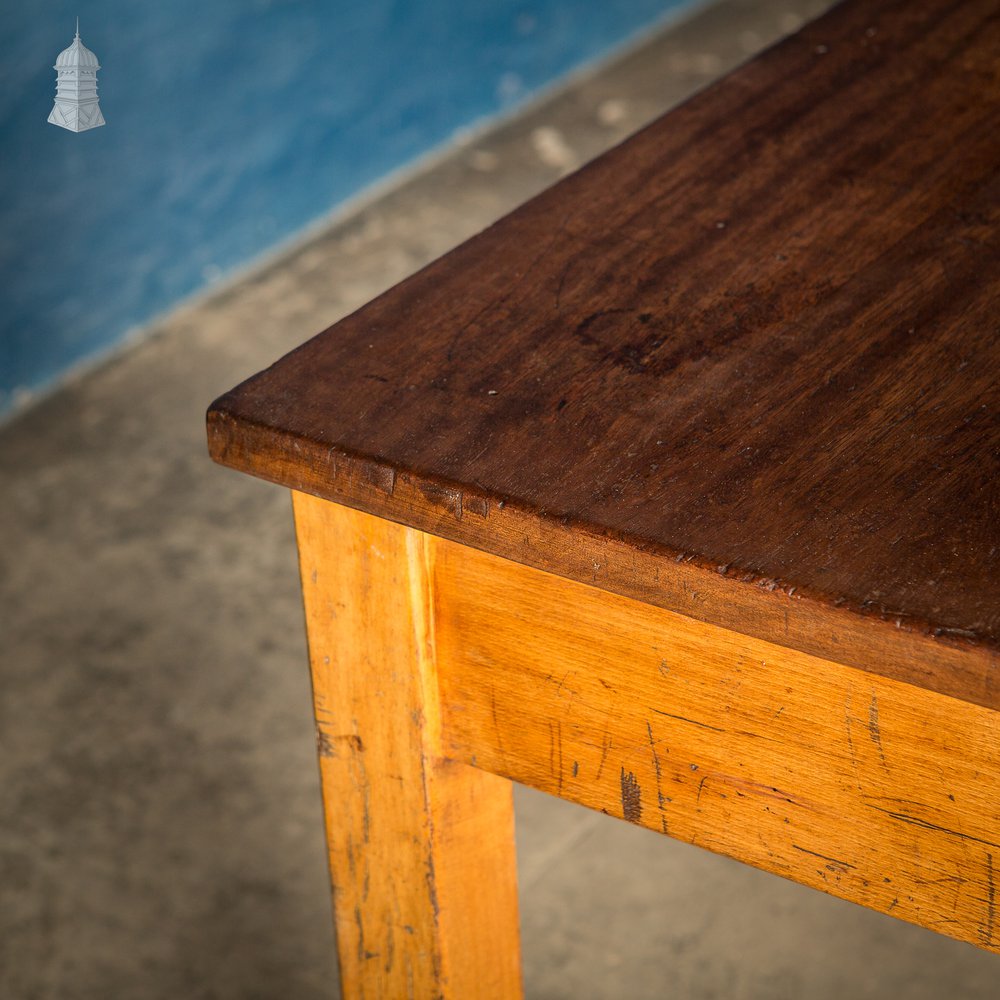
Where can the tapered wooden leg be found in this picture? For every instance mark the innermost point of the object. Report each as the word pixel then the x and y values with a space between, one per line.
pixel 421 849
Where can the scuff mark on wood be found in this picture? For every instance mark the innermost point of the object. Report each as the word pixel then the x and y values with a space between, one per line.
pixel 741 785
pixel 379 475
pixel 965 633
pixel 350 856
pixel 430 873
pixel 701 785
pixel 660 797
pixel 850 744
pixel 496 722
pixel 923 824
pixel 631 797
pixel 693 722
pixel 390 945
pixel 442 496
pixel 559 743
pixel 562 684
pixel 476 505
pixel 359 776
pixel 833 865
pixel 605 747
pixel 432 885
pixel 326 744
pixel 873 728
pixel 991 902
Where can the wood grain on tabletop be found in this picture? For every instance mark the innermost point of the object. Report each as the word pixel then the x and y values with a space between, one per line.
pixel 743 366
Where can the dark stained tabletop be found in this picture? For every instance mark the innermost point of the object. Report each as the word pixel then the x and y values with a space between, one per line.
pixel 751 355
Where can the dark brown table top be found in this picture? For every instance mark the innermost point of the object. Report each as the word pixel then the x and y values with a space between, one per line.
pixel 743 366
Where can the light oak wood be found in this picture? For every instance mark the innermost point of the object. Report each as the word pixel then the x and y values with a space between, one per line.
pixel 421 849
pixel 876 791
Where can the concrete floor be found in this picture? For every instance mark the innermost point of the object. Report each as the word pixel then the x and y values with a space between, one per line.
pixel 160 829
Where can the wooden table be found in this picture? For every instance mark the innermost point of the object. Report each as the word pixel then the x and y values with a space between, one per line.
pixel 675 494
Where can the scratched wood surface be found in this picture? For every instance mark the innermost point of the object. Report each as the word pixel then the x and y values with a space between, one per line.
pixel 744 366
pixel 875 791
pixel 421 848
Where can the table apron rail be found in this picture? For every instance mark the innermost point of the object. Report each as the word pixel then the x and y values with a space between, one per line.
pixel 873 790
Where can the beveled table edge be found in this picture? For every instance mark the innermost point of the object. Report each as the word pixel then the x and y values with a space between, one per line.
pixel 896 646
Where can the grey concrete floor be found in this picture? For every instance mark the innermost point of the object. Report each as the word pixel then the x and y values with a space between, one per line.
pixel 160 829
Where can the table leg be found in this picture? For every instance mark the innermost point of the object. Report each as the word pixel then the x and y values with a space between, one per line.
pixel 421 849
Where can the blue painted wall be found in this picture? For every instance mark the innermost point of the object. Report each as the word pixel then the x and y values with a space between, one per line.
pixel 230 126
